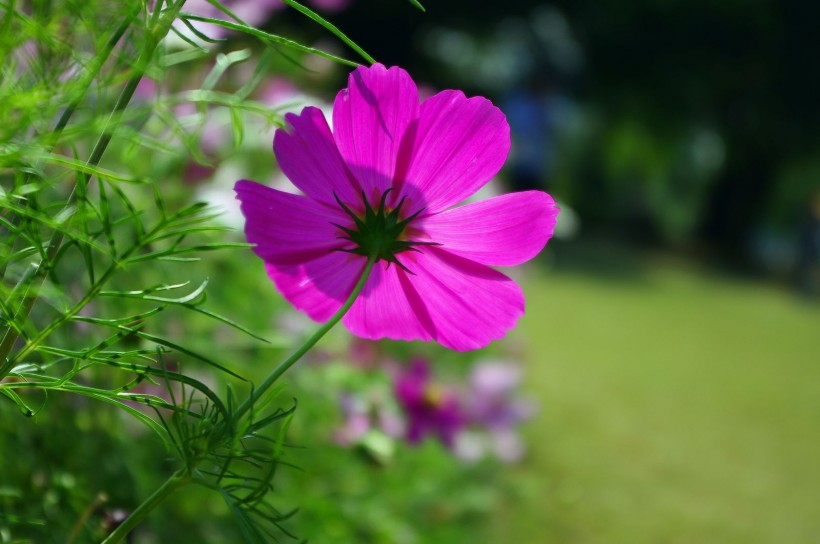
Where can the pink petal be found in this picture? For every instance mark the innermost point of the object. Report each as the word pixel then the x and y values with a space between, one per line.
pixel 460 144
pixel 389 307
pixel 461 304
pixel 505 230
pixel 370 119
pixel 308 156
pixel 318 287
pixel 470 304
pixel 288 229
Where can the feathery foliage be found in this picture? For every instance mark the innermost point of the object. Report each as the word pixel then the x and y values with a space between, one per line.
pixel 88 154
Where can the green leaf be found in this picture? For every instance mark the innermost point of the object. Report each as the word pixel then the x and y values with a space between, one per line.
pixel 50 384
pixel 223 62
pixel 332 28
pixel 197 47
pixel 180 57
pixel 260 73
pixel 48 221
pixel 266 37
pixel 171 253
pixel 196 32
pixel 167 343
pixel 88 169
pixel 24 408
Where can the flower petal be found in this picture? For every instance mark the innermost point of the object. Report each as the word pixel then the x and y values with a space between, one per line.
pixel 389 307
pixel 460 144
pixel 370 119
pixel 505 230
pixel 470 304
pixel 288 229
pixel 459 303
pixel 318 287
pixel 308 156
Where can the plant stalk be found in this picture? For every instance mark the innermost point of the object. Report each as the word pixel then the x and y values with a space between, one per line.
pixel 161 29
pixel 309 343
pixel 177 480
pixel 10 336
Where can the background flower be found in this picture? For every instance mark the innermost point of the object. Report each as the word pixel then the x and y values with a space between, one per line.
pixel 493 411
pixel 430 408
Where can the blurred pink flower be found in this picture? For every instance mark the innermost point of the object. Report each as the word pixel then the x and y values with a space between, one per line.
pixel 384 184
pixel 430 408
pixel 356 420
pixel 364 414
pixel 147 89
pixel 491 400
pixel 277 90
pixel 493 410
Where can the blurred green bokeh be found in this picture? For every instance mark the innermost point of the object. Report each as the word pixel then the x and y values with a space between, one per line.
pixel 678 405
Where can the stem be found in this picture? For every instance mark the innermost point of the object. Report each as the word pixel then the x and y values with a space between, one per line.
pixel 158 32
pixel 13 332
pixel 177 480
pixel 33 343
pixel 92 73
pixel 89 77
pixel 309 343
pixel 98 501
pixel 181 478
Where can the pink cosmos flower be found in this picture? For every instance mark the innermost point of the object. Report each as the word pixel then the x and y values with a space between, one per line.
pixel 431 409
pixel 384 183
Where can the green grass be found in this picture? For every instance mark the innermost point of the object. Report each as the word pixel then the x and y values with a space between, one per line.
pixel 676 406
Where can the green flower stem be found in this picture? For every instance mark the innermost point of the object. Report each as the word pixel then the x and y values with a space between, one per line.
pixel 309 343
pixel 181 478
pixel 177 480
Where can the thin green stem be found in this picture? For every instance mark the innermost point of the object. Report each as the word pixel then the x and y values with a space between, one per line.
pixel 177 480
pixel 12 332
pixel 92 73
pixel 181 478
pixel 92 292
pixel 309 343
pixel 161 29
pixel 85 84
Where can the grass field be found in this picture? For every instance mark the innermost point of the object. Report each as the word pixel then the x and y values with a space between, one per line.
pixel 676 406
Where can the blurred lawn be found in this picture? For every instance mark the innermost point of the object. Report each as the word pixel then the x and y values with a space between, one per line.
pixel 677 405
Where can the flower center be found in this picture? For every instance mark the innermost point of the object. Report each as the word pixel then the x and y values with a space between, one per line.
pixel 433 397
pixel 378 234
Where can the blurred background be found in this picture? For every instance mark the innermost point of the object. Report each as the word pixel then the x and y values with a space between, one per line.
pixel 668 368
pixel 673 336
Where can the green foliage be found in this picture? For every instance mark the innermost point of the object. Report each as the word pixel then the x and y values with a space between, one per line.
pixel 97 243
pixel 379 489
pixel 130 336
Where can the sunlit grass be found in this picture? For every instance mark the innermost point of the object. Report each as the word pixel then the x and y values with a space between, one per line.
pixel 676 406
